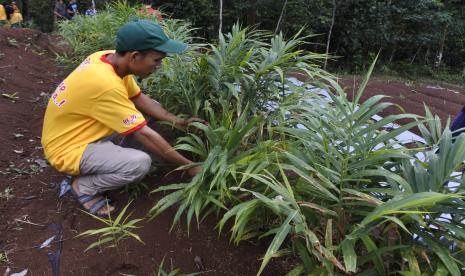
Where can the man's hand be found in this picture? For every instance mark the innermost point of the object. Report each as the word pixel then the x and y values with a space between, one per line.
pixel 191 120
pixel 153 142
pixel 154 109
pixel 194 171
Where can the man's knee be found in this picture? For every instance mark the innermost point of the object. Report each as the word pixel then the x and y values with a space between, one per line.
pixel 140 164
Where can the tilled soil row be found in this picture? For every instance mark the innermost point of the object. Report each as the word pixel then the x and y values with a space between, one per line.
pixel 444 101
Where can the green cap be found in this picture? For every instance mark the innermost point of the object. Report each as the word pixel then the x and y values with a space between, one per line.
pixel 140 35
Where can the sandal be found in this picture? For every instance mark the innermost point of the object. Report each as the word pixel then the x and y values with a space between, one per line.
pixel 65 187
pixel 97 206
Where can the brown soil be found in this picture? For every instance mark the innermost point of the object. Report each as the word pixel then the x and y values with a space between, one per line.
pixel 27 69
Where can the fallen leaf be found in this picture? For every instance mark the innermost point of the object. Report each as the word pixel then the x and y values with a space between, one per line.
pixel 47 242
pixel 199 263
pixel 11 96
pixel 7 271
pixel 22 273
pixel 18 135
pixel 41 162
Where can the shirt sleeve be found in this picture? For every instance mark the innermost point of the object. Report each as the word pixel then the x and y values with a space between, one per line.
pixel 114 109
pixel 131 86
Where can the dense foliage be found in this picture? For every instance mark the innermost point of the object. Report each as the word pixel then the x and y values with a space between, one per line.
pixel 317 175
pixel 90 34
pixel 41 13
pixel 422 36
pixel 407 32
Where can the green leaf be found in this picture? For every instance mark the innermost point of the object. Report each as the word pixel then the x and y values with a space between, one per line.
pixel 319 208
pixel 443 253
pixel 278 239
pixel 389 175
pixel 296 271
pixel 441 270
pixel 121 214
pixel 399 204
pixel 364 197
pixel 99 243
pixel 364 83
pixel 304 254
pixel 398 222
pixel 409 256
pixel 329 235
pixel 372 248
pixel 350 257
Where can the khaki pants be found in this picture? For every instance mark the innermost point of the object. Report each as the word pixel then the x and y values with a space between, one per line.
pixel 105 166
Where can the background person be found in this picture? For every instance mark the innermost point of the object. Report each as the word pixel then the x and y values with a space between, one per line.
pixel 8 11
pixel 101 97
pixel 3 17
pixel 60 11
pixel 16 18
pixel 151 9
pixel 72 9
pixel 458 124
pixel 91 11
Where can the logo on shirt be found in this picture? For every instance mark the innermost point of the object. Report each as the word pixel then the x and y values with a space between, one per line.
pixel 83 64
pixel 131 119
pixel 60 90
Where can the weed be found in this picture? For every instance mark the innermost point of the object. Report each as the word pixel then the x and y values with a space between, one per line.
pixel 19 151
pixel 173 271
pixel 12 42
pixel 135 190
pixel 12 96
pixel 4 258
pixel 7 193
pixel 21 169
pixel 18 135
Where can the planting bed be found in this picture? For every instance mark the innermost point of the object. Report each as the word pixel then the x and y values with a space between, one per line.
pixel 29 203
pixel 443 100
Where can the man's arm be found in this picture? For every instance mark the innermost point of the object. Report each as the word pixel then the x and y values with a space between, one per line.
pixel 57 14
pixel 153 142
pixel 154 109
pixel 69 10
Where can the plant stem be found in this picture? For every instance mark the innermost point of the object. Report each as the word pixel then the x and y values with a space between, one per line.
pixel 280 17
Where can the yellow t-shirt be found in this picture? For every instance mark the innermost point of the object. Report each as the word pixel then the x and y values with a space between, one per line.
pixel 90 104
pixel 2 13
pixel 16 17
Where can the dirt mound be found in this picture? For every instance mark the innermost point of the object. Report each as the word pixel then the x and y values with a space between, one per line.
pixel 443 100
pixel 29 38
pixel 25 62
pixel 27 75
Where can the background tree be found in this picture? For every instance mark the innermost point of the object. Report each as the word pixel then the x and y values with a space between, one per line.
pixel 41 12
pixel 427 36
pixel 330 32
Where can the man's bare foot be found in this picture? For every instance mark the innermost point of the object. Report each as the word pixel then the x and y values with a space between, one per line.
pixel 103 211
